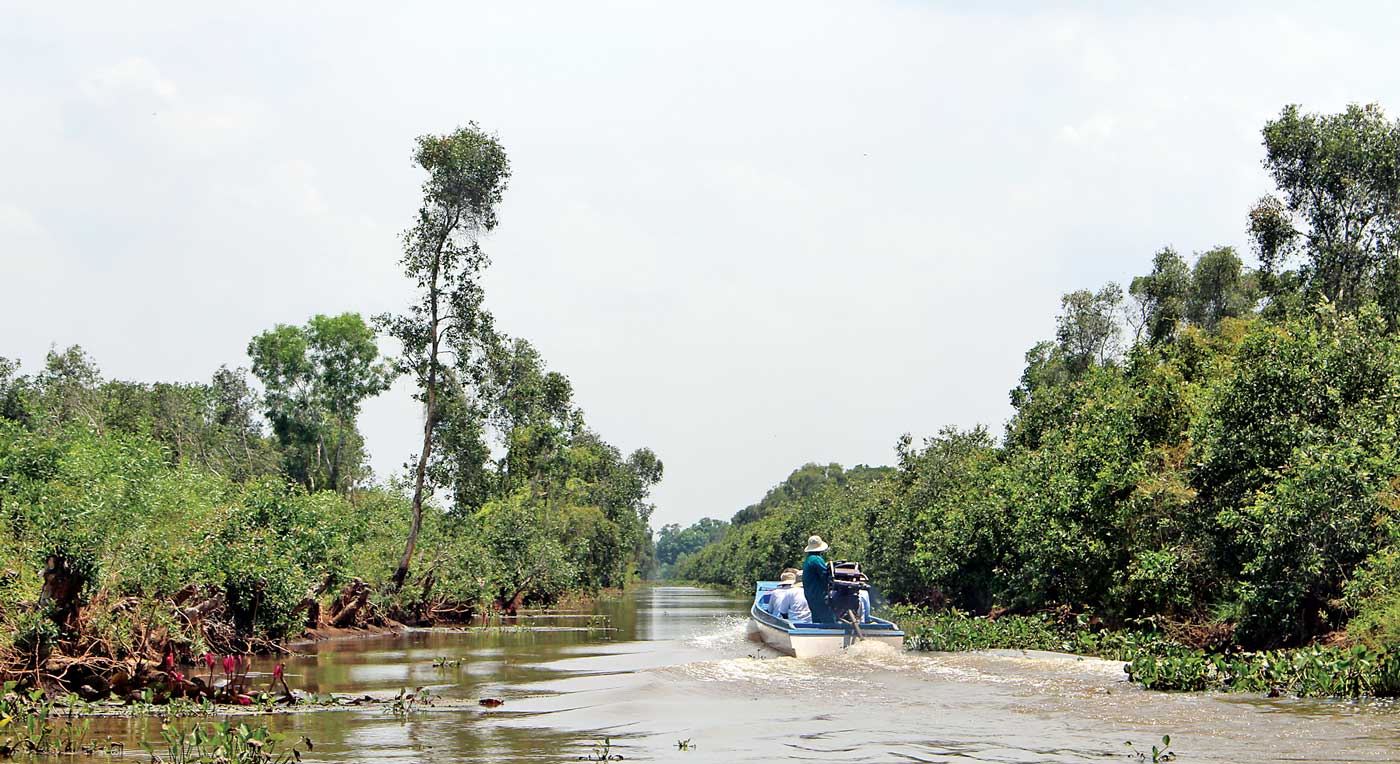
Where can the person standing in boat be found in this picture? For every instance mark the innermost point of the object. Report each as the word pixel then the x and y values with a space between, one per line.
pixel 816 580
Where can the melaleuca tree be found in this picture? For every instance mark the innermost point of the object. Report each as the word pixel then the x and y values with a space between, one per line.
pixel 11 391
pixel 1221 287
pixel 1338 177
pixel 1160 297
pixel 467 176
pixel 1087 328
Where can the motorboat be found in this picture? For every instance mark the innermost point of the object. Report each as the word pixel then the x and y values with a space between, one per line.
pixel 807 640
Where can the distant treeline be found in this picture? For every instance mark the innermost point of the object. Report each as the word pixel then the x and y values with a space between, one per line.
pixel 1220 446
pixel 146 519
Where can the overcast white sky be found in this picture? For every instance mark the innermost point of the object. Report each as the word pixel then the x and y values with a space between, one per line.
pixel 752 234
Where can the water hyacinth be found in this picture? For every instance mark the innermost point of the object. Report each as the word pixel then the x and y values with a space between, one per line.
pixel 1159 663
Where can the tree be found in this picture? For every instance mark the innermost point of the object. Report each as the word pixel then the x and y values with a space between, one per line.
pixel 467 176
pixel 1087 328
pixel 68 390
pixel 316 377
pixel 529 407
pixel 1161 297
pixel 11 391
pixel 1220 288
pixel 673 541
pixel 1339 177
pixel 802 481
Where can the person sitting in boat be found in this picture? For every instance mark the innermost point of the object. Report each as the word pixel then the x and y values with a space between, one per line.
pixel 798 612
pixel 816 580
pixel 788 601
pixel 782 594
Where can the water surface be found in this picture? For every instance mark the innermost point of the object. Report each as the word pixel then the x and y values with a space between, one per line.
pixel 664 664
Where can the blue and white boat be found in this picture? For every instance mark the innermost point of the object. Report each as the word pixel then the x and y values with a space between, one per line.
pixel 806 640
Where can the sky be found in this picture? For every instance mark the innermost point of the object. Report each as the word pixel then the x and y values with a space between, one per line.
pixel 752 235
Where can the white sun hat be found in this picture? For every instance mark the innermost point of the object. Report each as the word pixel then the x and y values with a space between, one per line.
pixel 815 544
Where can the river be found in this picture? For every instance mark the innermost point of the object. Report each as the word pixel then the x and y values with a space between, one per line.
pixel 665 664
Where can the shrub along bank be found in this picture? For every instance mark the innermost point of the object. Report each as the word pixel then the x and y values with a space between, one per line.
pixel 115 556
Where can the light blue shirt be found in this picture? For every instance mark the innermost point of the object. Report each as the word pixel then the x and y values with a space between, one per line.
pixel 797 610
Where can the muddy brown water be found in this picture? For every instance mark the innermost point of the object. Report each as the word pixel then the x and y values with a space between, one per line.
pixel 665 664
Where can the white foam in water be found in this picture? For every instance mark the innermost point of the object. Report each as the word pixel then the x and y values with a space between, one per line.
pixel 729 631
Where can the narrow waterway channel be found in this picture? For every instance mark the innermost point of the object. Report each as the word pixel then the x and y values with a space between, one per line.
pixel 666 664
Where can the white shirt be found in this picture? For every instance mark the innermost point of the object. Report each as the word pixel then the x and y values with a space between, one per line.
pixel 797 610
pixel 779 599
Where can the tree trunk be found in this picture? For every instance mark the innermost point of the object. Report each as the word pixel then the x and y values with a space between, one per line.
pixel 430 413
pixel 60 592
pixel 353 597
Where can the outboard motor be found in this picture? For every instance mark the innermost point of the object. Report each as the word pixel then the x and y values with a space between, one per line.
pixel 847 582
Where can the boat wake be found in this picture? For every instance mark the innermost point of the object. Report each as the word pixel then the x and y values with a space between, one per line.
pixel 729 633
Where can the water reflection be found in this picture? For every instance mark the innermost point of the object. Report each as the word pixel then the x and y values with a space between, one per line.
pixel 664 664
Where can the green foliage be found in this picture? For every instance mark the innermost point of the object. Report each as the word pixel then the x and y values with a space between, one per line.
pixel 1310 671
pixel 34 725
pixel 672 541
pixel 1293 454
pixel 956 631
pixel 1161 297
pixel 803 482
pixel 213 425
pixel 224 743
pixel 941 529
pixel 1220 288
pixel 467 176
pixel 316 377
pixel 1158 662
pixel 1087 328
pixel 1156 755
pixel 1339 211
pixel 527 549
pixel 1231 469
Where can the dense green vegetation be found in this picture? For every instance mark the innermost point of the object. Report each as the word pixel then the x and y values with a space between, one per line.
pixel 1157 658
pixel 673 541
pixel 1231 462
pixel 143 520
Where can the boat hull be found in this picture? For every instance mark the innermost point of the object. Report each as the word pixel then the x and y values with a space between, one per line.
pixel 814 645
pixel 808 640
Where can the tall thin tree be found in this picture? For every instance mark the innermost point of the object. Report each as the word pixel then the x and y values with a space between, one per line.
pixel 467 176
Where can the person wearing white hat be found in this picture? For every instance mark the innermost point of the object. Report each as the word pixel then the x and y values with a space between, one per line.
pixel 816 580
pixel 788 600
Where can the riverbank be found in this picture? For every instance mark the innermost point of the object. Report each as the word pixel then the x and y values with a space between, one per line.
pixel 1158 660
